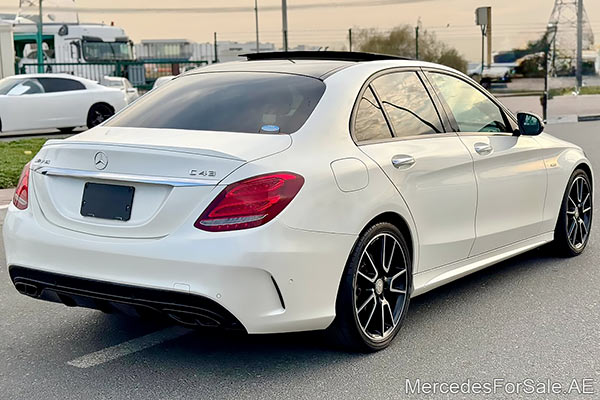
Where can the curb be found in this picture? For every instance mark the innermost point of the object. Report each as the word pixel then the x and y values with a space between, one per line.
pixel 587 118
pixel 6 197
pixel 517 94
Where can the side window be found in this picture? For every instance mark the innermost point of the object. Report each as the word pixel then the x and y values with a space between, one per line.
pixel 473 111
pixel 53 85
pixel 27 86
pixel 370 123
pixel 407 103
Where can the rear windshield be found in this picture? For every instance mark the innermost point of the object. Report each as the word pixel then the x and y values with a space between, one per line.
pixel 227 101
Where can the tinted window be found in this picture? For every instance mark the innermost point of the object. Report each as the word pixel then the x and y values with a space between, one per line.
pixel 230 101
pixel 473 111
pixel 102 51
pixel 370 123
pixel 407 104
pixel 52 85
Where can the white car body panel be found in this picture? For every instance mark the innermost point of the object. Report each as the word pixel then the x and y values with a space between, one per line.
pixel 442 172
pixel 560 158
pixel 511 184
pixel 57 109
pixel 302 253
pixel 162 208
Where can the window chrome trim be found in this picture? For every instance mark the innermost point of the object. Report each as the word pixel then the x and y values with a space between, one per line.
pixel 407 138
pixel 155 180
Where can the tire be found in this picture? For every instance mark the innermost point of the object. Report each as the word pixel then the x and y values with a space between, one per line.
pixel 66 130
pixel 357 325
pixel 99 113
pixel 574 223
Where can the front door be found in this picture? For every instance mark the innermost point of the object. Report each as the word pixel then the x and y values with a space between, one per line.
pixel 510 172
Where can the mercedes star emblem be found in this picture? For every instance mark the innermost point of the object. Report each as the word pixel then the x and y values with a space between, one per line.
pixel 100 160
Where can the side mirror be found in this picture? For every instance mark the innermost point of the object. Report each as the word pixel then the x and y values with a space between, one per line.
pixel 529 124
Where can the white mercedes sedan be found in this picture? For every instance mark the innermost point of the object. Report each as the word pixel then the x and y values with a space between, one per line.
pixel 294 191
pixel 55 101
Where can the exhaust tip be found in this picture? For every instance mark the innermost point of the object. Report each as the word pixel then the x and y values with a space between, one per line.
pixel 27 289
pixel 192 319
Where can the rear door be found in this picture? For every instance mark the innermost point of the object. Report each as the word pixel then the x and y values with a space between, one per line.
pixel 511 175
pixel 66 102
pixel 398 126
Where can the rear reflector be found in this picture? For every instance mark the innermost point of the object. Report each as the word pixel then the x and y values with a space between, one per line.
pixel 251 202
pixel 21 196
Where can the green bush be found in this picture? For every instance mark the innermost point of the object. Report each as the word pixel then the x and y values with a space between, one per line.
pixel 13 157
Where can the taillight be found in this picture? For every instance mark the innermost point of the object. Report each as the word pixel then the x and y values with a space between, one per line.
pixel 21 196
pixel 251 202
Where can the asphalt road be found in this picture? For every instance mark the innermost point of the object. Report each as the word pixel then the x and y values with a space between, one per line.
pixel 533 317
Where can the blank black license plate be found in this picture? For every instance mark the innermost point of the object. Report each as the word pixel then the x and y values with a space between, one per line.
pixel 107 201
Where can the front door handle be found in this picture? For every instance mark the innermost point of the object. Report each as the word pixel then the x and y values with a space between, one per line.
pixel 402 161
pixel 483 148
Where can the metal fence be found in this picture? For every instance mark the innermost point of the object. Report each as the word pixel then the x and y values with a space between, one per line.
pixel 141 74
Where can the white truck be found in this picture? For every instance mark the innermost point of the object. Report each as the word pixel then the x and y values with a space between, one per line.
pixel 78 49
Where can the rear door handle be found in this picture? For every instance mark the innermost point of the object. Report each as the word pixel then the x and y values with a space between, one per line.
pixel 402 161
pixel 483 148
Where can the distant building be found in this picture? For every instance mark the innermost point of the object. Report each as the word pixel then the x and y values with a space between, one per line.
pixel 164 49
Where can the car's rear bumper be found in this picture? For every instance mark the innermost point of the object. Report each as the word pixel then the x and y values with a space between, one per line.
pixel 269 279
pixel 184 308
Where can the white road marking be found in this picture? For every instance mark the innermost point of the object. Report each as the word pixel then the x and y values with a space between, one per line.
pixel 128 347
pixel 4 206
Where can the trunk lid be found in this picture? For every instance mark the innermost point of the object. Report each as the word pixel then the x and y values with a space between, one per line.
pixel 172 173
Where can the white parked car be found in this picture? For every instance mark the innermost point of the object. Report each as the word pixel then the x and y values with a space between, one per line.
pixel 499 72
pixel 55 101
pixel 274 196
pixel 131 94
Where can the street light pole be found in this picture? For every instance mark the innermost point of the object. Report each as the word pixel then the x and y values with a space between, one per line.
pixel 551 30
pixel 417 42
pixel 284 24
pixel 417 29
pixel 482 49
pixel 40 41
pixel 579 44
pixel 256 18
pixel 216 49
pixel 545 94
pixel 483 18
pixel 350 39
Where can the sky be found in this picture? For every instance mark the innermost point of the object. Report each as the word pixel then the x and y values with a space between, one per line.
pixel 324 22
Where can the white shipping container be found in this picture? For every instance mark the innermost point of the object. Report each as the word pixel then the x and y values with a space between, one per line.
pixel 7 51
